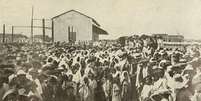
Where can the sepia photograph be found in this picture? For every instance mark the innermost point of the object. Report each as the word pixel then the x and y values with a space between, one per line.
pixel 100 50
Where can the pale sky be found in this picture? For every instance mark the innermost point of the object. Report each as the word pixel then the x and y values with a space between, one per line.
pixel 117 17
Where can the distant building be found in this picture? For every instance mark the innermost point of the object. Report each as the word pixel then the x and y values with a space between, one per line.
pixel 170 41
pixel 169 38
pixel 74 26
pixel 163 37
pixel 175 38
pixel 18 38
pixel 39 38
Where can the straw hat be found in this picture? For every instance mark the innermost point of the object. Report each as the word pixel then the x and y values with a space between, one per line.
pixel 21 72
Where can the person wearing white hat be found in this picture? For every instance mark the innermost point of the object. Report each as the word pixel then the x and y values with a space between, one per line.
pixel 21 72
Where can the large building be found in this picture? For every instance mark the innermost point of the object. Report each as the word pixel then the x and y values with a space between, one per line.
pixel 170 41
pixel 175 38
pixel 169 38
pixel 73 26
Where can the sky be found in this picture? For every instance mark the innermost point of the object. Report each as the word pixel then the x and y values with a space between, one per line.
pixel 117 17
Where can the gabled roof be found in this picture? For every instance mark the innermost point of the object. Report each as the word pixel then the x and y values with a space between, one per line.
pixel 79 13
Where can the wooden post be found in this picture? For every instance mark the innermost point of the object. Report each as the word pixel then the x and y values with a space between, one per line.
pixel 72 35
pixel 43 23
pixel 4 29
pixel 52 31
pixel 12 34
pixel 32 25
pixel 68 34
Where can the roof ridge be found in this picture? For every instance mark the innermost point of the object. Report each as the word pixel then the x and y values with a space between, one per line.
pixel 77 12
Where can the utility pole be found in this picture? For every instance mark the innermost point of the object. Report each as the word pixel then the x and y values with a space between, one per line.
pixel 52 31
pixel 12 34
pixel 68 34
pixel 72 35
pixel 43 23
pixel 4 29
pixel 32 25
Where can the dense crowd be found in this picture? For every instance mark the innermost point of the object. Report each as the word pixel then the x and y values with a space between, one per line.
pixel 108 72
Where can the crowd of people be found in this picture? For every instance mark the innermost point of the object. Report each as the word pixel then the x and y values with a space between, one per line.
pixel 108 72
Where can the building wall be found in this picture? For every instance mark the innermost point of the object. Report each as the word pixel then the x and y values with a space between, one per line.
pixel 163 36
pixel 95 36
pixel 82 25
pixel 175 38
pixel 174 46
pixel 170 38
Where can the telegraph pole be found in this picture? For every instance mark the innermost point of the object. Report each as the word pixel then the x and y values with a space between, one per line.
pixel 43 23
pixel 32 25
pixel 4 29
pixel 12 33
pixel 68 33
pixel 52 31
pixel 72 35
